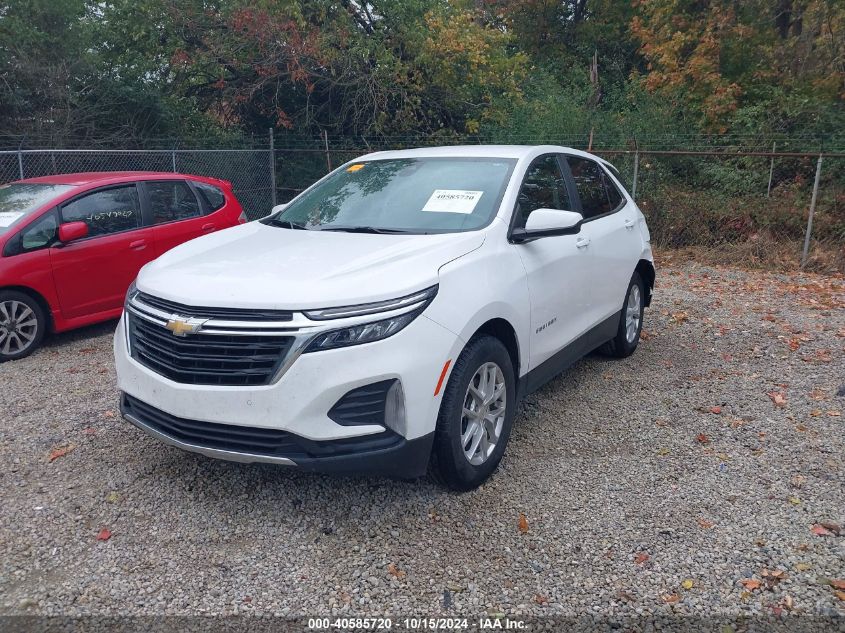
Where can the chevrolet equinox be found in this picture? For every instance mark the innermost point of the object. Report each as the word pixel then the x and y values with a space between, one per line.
pixel 390 317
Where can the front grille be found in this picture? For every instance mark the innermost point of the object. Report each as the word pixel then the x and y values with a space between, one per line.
pixel 364 405
pixel 207 359
pixel 226 437
pixel 222 314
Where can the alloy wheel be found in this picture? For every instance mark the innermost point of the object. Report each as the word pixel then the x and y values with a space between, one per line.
pixel 483 415
pixel 18 327
pixel 632 314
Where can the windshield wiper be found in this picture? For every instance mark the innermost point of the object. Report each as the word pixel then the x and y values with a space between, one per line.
pixel 287 224
pixel 362 229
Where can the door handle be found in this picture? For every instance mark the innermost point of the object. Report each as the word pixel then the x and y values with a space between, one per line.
pixel 582 242
pixel 629 223
pixel 207 228
pixel 138 245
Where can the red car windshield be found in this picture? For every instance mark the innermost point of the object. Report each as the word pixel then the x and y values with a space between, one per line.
pixel 19 199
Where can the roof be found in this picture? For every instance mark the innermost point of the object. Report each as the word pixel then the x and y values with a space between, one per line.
pixel 481 151
pixel 87 178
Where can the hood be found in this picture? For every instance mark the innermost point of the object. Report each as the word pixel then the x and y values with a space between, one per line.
pixel 260 266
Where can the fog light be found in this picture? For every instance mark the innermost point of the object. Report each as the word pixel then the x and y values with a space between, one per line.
pixel 394 409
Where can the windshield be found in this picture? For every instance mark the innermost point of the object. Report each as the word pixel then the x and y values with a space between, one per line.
pixel 408 195
pixel 20 199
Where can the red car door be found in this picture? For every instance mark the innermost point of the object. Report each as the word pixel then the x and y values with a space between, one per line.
pixel 175 213
pixel 92 274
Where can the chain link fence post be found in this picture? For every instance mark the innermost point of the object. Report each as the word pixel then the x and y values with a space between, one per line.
pixel 272 168
pixel 173 159
pixel 636 172
pixel 20 161
pixel 806 251
pixel 771 170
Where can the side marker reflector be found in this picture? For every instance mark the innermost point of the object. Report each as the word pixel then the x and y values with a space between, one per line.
pixel 442 376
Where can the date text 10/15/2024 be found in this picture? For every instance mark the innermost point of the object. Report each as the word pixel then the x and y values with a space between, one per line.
pixel 416 624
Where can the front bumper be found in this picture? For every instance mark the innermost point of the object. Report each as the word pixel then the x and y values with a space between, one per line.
pixel 299 402
pixel 392 456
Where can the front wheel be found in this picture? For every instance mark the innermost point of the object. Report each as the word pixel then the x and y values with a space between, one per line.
pixel 631 321
pixel 22 325
pixel 476 415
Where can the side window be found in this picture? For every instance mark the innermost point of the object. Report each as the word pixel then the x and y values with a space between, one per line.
pixel 543 188
pixel 214 197
pixel 40 234
pixel 598 194
pixel 171 200
pixel 107 211
pixel 613 195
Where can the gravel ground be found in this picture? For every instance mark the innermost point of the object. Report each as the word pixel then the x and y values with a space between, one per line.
pixel 653 485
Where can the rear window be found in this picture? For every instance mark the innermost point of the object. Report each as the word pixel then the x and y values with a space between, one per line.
pixel 19 199
pixel 214 196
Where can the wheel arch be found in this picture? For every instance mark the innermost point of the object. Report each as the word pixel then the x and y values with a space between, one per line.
pixel 503 330
pixel 37 297
pixel 646 270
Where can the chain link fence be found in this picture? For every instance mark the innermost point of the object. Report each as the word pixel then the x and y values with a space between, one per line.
pixel 249 170
pixel 742 201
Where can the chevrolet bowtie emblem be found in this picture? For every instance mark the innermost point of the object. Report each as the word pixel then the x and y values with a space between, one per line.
pixel 183 327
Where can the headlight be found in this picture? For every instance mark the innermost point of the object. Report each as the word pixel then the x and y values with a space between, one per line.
pixel 133 290
pixel 417 300
pixel 411 306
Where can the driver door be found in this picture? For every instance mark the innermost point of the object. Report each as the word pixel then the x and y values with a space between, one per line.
pixel 93 274
pixel 557 267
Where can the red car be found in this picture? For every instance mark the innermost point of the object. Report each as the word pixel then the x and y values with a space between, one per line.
pixel 71 245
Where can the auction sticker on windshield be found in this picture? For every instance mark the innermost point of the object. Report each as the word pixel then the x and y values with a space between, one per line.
pixel 452 201
pixel 7 217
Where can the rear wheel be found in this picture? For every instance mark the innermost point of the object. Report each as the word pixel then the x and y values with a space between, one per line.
pixel 631 322
pixel 22 325
pixel 476 415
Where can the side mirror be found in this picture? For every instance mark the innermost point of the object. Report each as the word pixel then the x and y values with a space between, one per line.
pixel 278 207
pixel 71 231
pixel 548 223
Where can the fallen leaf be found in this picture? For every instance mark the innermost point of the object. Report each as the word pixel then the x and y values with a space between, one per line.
pixel 61 451
pixel 830 525
pixel 816 413
pixel 671 598
pixel 104 534
pixel 523 523
pixel 663 452
pixel 819 530
pixel 795 501
pixel 787 602
pixel 689 583
pixel 393 571
pixel 803 566
pixel 541 599
pixel 108 414
pixel 834 414
pixel 679 317
pixel 702 438
pixel 705 524
pixel 640 558
pixel 624 596
pixel 840 595
pixel 794 344
pixel 778 397
pixel 716 410
pixel 113 497
pixel 837 584
pixel 750 583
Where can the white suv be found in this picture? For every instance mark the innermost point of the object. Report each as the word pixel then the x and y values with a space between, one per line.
pixel 391 316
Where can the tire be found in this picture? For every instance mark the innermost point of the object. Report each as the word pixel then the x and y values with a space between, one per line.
pixel 22 325
pixel 625 342
pixel 484 356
